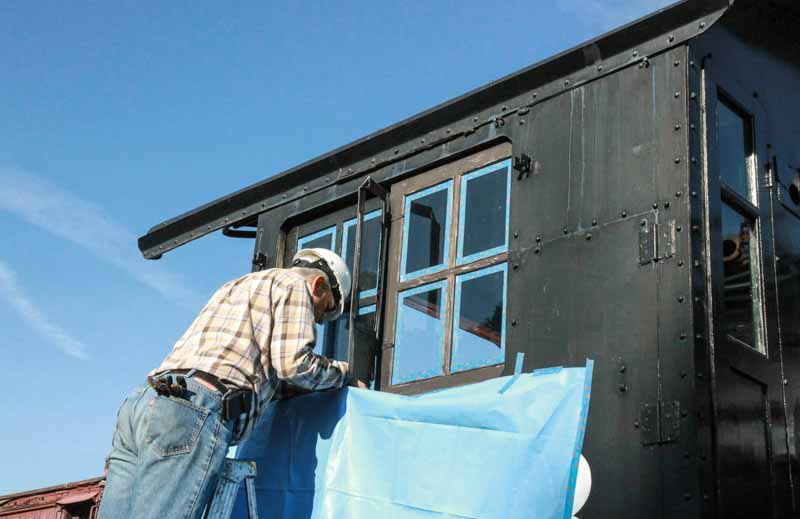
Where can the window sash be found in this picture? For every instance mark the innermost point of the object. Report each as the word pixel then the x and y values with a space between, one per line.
pixel 372 292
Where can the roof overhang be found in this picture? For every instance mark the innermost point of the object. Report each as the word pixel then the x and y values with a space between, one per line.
pixel 666 28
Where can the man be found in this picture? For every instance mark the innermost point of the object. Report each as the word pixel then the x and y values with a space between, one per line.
pixel 254 337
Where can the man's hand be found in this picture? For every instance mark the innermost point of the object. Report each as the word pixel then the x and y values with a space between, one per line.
pixel 359 384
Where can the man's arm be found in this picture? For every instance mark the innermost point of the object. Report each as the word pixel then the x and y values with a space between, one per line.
pixel 291 350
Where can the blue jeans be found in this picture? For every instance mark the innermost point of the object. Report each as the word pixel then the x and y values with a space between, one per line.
pixel 166 454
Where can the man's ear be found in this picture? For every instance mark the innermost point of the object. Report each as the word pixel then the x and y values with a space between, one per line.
pixel 318 286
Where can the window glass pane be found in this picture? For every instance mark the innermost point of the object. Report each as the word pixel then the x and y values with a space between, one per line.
pixel 364 332
pixel 426 230
pixel 324 239
pixel 483 222
pixel 370 251
pixel 741 302
pixel 419 336
pixel 479 335
pixel 733 152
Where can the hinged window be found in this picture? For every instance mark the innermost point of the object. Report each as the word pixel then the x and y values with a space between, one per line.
pixel 446 304
pixel 742 304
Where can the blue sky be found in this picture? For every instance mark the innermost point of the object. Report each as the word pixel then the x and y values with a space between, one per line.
pixel 115 116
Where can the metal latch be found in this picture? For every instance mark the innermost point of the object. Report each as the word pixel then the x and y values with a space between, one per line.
pixel 522 165
pixel 661 423
pixel 656 241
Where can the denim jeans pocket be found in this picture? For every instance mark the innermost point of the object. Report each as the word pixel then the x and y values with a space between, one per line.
pixel 174 425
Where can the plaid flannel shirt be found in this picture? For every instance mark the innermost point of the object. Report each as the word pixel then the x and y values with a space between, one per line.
pixel 257 332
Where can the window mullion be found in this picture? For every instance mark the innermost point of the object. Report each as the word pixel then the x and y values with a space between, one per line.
pixel 448 323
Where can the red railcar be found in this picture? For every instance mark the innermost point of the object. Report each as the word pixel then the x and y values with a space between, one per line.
pixel 78 500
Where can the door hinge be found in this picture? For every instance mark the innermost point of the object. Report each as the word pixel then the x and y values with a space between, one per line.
pixel 656 241
pixel 660 423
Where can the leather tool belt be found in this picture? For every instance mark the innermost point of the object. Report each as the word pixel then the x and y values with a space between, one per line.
pixel 235 401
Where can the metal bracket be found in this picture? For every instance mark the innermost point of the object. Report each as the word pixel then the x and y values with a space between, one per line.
pixel 523 165
pixel 660 423
pixel 259 261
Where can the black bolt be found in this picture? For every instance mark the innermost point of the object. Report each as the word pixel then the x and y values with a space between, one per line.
pixel 677 160
pixel 684 413
pixel 683 336
pixel 678 228
pixel 692 126
pixel 623 388
pixel 677 94
pixel 537 250
pixel 655 205
pixel 635 53
pixel 677 127
pixel 475 119
pixel 666 205
pixel 693 194
pixel 697 299
pixel 515 266
pixel 687 497
pixel 636 424
pixel 681 299
pixel 564 230
pixel 671 37
pixel 677 63
pixel 516 234
pixel 695 227
pixel 683 374
pixel 624 214
pixel 622 368
pixel 514 322
pixel 504 108
pixel 691 64
pixel 588 237
pixel 693 95
pixel 702 25
pixel 678 194
pixel 680 263
pixel 643 223
pixel 696 263
pixel 700 376
pixel 535 95
pixel 538 239
pixel 566 82
pixel 599 68
pixel 522 121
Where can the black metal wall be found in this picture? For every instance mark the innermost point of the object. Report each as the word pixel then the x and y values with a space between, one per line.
pixel 599 269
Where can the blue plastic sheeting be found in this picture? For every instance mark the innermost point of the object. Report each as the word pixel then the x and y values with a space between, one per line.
pixel 506 448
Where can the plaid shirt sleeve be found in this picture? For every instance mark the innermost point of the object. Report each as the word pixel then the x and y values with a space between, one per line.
pixel 291 349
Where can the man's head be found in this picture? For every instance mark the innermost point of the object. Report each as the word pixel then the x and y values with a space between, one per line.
pixel 328 280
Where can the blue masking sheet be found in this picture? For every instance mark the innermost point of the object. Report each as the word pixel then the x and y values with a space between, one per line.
pixel 505 448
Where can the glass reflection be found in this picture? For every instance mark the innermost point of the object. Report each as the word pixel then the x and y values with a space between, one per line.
pixel 484 196
pixel 426 230
pixel 364 332
pixel 370 251
pixel 419 335
pixel 479 338
pixel 740 298
pixel 324 239
pixel 734 152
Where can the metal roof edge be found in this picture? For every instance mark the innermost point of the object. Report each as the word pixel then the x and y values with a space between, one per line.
pixel 243 204
pixel 55 488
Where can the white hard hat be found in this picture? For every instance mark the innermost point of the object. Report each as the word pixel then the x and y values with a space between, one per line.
pixel 334 268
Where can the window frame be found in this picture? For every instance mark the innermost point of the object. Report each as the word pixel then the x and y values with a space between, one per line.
pixel 353 222
pixel 454 170
pixel 746 206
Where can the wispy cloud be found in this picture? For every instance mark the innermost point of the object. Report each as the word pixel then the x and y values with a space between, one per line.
pixel 608 14
pixel 67 216
pixel 10 290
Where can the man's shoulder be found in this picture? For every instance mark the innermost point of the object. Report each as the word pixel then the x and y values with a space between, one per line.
pixel 277 277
